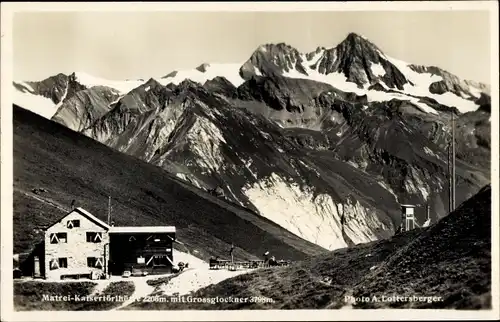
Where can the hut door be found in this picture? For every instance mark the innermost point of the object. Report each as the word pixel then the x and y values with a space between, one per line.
pixel 36 268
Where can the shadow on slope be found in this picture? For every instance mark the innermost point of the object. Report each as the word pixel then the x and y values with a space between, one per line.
pixel 65 165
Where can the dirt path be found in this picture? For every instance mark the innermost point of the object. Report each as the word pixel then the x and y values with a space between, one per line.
pixel 141 289
pixel 41 199
pixel 100 287
pixel 194 279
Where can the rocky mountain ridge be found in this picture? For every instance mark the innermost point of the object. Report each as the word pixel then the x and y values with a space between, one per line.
pixel 325 144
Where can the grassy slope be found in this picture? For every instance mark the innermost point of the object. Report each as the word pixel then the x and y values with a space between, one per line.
pixel 314 283
pixel 451 259
pixel 71 166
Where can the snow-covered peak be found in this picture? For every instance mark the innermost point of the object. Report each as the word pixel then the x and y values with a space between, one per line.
pixel 359 66
pixel 123 86
pixel 205 72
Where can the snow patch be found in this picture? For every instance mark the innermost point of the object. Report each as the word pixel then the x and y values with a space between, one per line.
pixel 377 70
pixel 378 96
pixel 26 85
pixel 122 86
pixel 422 81
pixel 63 97
pixel 229 71
pixel 35 103
pixel 421 85
pixel 335 79
pixel 116 100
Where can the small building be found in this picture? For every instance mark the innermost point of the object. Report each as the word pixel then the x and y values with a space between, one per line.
pixel 81 245
pixel 141 249
pixel 76 245
pixel 407 217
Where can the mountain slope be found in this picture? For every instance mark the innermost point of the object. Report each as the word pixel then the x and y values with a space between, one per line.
pixel 46 96
pixel 450 260
pixel 196 145
pixel 402 147
pixel 325 144
pixel 85 107
pixel 54 165
pixel 187 130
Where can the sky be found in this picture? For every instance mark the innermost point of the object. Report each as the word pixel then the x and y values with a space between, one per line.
pixel 132 45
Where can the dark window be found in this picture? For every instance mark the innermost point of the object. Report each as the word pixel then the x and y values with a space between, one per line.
pixel 96 262
pixel 63 262
pixel 73 223
pixel 93 237
pixel 56 238
pixel 160 260
pixel 63 237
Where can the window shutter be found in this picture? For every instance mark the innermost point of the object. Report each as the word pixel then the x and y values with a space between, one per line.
pixel 54 264
pixel 54 239
pixel 98 237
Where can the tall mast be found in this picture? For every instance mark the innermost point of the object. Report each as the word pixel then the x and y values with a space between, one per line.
pixel 109 210
pixel 449 175
pixel 453 160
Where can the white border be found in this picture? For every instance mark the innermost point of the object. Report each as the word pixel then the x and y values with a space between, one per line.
pixel 7 10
